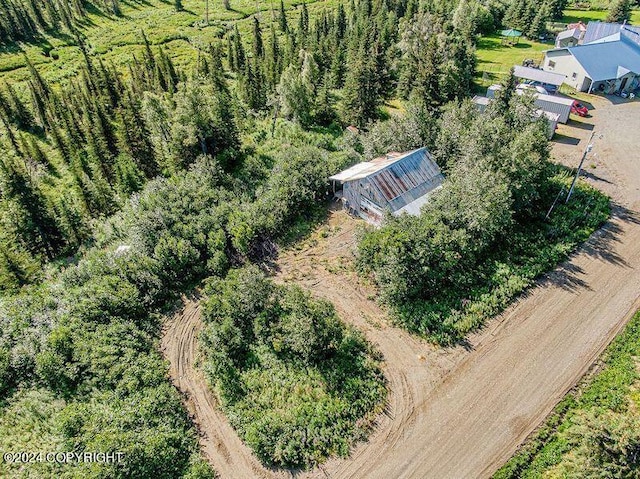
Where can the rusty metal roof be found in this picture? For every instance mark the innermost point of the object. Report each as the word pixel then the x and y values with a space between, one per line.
pixel 397 178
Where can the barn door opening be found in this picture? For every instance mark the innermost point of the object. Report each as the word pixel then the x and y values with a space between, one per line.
pixel 624 83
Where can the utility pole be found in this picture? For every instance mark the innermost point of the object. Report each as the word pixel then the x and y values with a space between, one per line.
pixel 587 150
pixel 206 12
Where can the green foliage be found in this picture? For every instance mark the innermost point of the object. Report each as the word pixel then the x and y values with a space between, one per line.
pixel 531 17
pixel 437 66
pixel 482 239
pixel 296 383
pixel 620 11
pixel 594 430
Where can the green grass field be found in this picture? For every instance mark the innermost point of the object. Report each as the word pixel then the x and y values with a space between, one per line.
pixel 182 34
pixel 573 16
pixel 496 59
pixel 117 39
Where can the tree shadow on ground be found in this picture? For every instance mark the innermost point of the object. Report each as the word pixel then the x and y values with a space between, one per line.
pixel 601 246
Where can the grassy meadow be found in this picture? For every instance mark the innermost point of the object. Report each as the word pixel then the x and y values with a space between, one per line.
pixel 573 16
pixel 495 59
pixel 117 39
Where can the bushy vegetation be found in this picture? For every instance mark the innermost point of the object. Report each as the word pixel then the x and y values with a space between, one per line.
pixel 296 383
pixel 88 335
pixel 595 431
pixel 484 237
pixel 124 184
pixel 75 151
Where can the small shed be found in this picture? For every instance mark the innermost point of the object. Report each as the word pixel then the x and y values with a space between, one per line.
pixel 569 38
pixel 396 183
pixel 552 121
pixel 481 102
pixel 555 104
pixel 491 91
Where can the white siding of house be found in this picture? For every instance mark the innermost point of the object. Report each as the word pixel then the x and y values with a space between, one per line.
pixel 567 65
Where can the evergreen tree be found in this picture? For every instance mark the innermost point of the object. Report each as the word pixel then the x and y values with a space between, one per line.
pixel 39 231
pixel 324 109
pixel 538 25
pixel 556 8
pixel 17 111
pixel 501 104
pixel 239 56
pixel 303 24
pixel 620 11
pixel 178 5
pixel 282 18
pixel 361 97
pixel 258 45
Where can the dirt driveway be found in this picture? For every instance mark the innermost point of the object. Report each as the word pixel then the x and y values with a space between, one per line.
pixel 460 413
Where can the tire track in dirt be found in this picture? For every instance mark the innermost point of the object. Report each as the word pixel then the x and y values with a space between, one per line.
pixel 461 412
pixel 219 442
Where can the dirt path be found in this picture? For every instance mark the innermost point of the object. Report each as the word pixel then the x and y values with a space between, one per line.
pixel 460 413
pixel 220 443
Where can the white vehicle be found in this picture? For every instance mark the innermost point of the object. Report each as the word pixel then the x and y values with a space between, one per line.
pixel 536 88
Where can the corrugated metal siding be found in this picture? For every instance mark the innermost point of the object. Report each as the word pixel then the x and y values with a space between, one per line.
pixel 393 187
pixel 560 109
pixel 598 30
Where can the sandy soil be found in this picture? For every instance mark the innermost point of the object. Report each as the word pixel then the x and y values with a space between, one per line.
pixel 461 412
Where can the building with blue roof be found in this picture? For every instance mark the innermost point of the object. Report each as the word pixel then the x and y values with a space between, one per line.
pixel 608 60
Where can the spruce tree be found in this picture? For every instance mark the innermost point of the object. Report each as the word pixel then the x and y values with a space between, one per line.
pixel 303 24
pixel 282 18
pixel 258 45
pixel 360 89
pixel 40 230
pixel 620 11
pixel 240 58
pixel 20 115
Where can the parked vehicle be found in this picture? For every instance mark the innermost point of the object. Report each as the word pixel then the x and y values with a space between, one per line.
pixel 579 109
pixel 532 87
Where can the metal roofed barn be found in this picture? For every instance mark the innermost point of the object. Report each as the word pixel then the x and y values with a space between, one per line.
pixel 396 183
pixel 608 60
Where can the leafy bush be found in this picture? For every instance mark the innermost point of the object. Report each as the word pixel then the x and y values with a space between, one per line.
pixel 296 383
pixel 483 238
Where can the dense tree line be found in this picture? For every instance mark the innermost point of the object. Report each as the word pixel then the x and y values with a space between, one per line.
pixel 296 382
pixel 366 50
pixel 27 20
pixel 531 16
pixel 78 152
